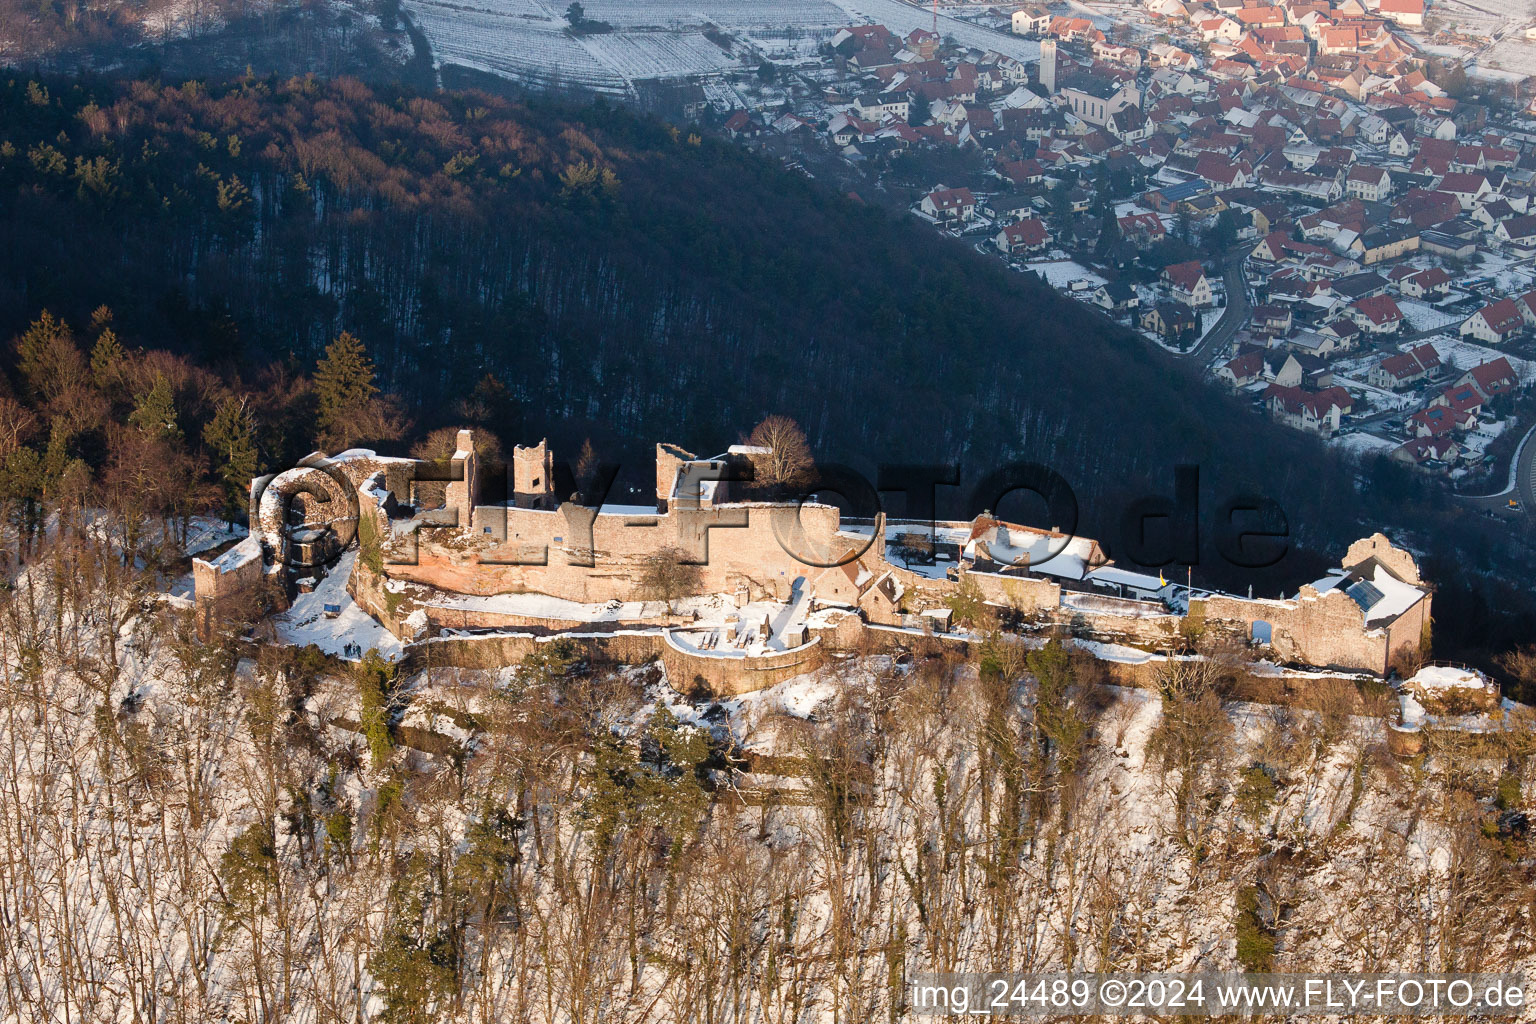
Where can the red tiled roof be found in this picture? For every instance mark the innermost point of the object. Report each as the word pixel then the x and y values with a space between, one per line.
pixel 1425 449
pixel 1438 420
pixel 1494 377
pixel 1029 232
pixel 1184 275
pixel 1434 277
pixel 1379 309
pixel 1461 398
pixel 1401 366
pixel 1503 316
pixel 952 198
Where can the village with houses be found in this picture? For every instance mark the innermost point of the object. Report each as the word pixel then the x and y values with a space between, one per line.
pixel 1327 206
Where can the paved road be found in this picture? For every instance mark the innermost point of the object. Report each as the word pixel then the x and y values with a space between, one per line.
pixel 1234 318
pixel 1524 483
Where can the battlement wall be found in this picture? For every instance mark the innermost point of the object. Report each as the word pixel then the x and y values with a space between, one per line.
pixel 574 554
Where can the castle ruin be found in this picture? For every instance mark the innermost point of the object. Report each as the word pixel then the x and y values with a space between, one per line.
pixel 767 581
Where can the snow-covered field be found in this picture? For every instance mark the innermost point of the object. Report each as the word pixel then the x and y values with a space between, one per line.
pixel 1466 354
pixel 1421 316
pixel 1360 444
pixel 1061 273
pixel 527 40
pixel 1482 17
pixel 1513 54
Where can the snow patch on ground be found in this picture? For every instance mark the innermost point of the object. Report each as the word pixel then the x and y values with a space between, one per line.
pixel 1421 316
pixel 1061 273
pixel 1464 355
pixel 306 622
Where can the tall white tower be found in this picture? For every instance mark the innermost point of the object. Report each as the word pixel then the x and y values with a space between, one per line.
pixel 1048 66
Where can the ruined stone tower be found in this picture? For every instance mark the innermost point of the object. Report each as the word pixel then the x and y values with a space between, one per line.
pixel 533 470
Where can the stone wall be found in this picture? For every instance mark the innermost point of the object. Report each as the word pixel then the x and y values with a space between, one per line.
pixel 669 459
pixel 1027 594
pixel 500 649
pixel 464 618
pixel 718 675
pixel 514 550
pixel 1325 629
pixel 839 631
pixel 1158 631
pixel 228 590
pixel 724 675
pixel 1379 547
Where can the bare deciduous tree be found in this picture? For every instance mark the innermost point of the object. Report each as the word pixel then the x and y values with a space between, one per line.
pixel 789 457
pixel 666 575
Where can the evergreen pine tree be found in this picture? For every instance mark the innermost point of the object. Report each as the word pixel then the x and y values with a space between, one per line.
pixel 56 459
pixel 231 436
pixel 344 383
pixel 154 412
pixel 48 359
pixel 107 358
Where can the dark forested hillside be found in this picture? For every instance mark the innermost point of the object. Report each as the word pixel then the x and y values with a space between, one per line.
pixel 614 277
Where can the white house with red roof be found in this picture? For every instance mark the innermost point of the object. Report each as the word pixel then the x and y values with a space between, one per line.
pixel 1469 189
pixel 1317 411
pixel 1223 30
pixel 1427 452
pixel 1025 236
pixel 1277 246
pixel 1188 283
pixel 1243 370
pixel 1142 228
pixel 1437 421
pixel 1404 12
pixel 1495 323
pixel 1398 371
pixel 1464 401
pixel 949 204
pixel 1517 232
pixel 1425 284
pixel 1367 182
pixel 1376 314
pixel 1491 379
pixel 1223 173
pixel 742 124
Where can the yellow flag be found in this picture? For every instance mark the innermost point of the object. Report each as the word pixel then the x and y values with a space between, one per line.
pixel 1160 581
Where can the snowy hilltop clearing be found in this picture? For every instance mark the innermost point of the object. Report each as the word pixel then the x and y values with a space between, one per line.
pixel 529 40
pixel 204 831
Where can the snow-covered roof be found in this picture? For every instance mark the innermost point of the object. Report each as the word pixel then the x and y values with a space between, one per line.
pixel 248 550
pixel 1395 596
pixel 1051 553
pixel 1125 578
pixel 1382 596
